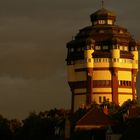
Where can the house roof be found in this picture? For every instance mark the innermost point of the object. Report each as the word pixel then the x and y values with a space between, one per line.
pixel 94 119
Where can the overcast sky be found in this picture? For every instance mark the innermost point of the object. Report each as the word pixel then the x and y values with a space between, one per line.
pixel 33 37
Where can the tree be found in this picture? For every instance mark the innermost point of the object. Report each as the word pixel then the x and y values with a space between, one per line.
pixel 44 125
pixel 5 133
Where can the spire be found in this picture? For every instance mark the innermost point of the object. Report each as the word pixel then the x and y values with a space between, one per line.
pixel 102 3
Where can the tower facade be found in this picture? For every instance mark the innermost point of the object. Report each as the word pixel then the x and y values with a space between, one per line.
pixel 102 62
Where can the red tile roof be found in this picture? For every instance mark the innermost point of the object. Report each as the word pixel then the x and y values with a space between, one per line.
pixel 94 118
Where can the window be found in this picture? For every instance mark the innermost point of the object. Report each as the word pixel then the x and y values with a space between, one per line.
pixel 124 83
pixel 125 60
pixel 99 60
pixel 104 98
pixel 102 82
pixel 100 99
pixel 120 31
pixel 98 83
pixel 107 60
pixel 89 47
pixel 121 83
pixel 105 47
pixel 125 48
pixel 136 48
pixel 121 48
pixel 115 47
pixel 109 22
pixel 101 21
pixel 107 82
pixel 115 59
pixel 127 83
pixel 97 47
pixel 95 60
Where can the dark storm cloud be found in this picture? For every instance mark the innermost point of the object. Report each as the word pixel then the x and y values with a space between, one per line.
pixel 33 36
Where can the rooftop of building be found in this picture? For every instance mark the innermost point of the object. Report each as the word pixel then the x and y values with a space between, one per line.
pixel 103 13
pixel 95 118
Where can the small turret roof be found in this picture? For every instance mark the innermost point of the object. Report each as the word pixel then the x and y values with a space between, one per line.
pixel 103 14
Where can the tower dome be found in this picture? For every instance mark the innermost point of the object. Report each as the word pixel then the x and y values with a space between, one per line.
pixel 103 16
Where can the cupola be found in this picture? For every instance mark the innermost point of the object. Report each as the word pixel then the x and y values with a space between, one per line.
pixel 103 16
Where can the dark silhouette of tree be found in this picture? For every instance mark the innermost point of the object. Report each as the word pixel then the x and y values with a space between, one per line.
pixel 50 125
pixel 31 128
pixel 15 126
pixel 120 111
pixel 5 133
pixel 45 125
pixel 132 130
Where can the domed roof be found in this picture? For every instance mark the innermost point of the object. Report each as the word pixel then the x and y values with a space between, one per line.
pixel 102 14
pixel 101 34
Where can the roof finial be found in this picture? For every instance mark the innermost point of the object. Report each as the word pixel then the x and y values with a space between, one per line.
pixel 102 3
